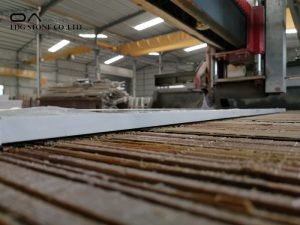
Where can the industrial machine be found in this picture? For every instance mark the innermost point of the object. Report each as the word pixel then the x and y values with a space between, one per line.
pixel 176 90
pixel 235 32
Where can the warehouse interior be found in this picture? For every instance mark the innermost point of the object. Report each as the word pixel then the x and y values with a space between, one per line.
pixel 149 112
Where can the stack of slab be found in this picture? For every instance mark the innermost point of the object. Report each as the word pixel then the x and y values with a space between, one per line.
pixel 85 94
pixel 6 103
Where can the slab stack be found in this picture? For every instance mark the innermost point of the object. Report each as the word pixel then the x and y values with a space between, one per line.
pixel 85 94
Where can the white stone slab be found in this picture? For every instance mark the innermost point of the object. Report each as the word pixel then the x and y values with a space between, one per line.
pixel 52 122
pixel 4 97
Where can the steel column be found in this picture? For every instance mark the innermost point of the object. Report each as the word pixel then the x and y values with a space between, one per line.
pixel 86 71
pixel 275 46
pixel 38 61
pixel 258 56
pixel 215 71
pixel 56 71
pixel 97 60
pixel 17 78
pixel 160 63
pixel 259 64
pixel 134 78
pixel 210 63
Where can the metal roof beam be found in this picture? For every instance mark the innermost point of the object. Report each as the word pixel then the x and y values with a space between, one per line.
pixel 118 21
pixel 25 45
pixel 295 12
pixel 47 6
pixel 70 16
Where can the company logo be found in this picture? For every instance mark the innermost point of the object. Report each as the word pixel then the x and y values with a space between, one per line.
pixel 21 17
pixel 28 21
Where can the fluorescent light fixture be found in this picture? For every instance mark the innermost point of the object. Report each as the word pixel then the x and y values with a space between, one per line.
pixel 153 53
pixel 176 86
pixel 59 45
pixel 195 47
pixel 114 59
pixel 93 35
pixel 148 24
pixel 291 31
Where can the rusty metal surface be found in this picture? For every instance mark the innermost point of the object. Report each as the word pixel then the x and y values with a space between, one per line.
pixel 239 171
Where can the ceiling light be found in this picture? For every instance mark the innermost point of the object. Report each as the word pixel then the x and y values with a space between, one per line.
pixel 291 31
pixel 196 47
pixel 149 23
pixel 92 35
pixel 114 59
pixel 153 53
pixel 59 45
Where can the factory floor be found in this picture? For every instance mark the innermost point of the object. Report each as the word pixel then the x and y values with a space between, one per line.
pixel 237 171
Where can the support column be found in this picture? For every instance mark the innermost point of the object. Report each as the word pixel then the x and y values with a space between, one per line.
pixel 210 65
pixel 38 66
pixel 258 57
pixel 275 46
pixel 160 63
pixel 56 71
pixel 38 60
pixel 134 78
pixel 86 71
pixel 17 78
pixel 97 60
pixel 215 71
pixel 259 64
